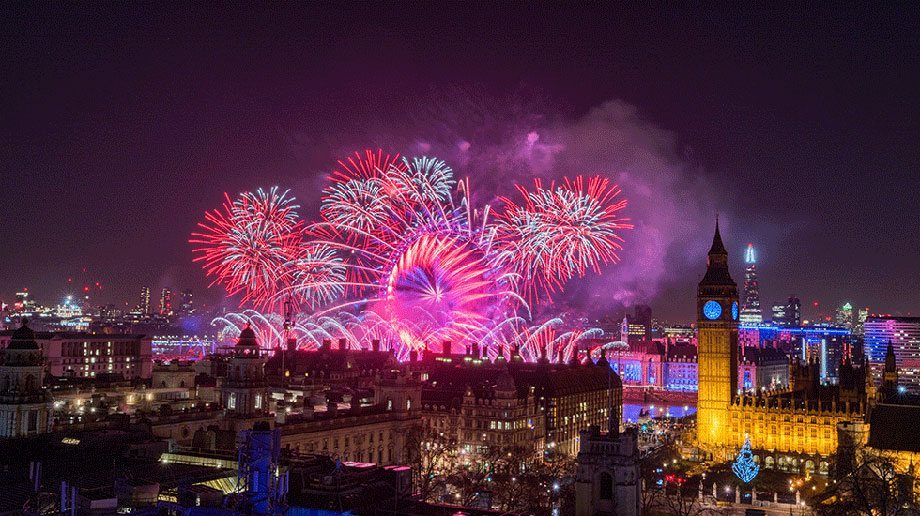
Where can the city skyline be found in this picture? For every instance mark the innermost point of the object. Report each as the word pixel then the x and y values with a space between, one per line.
pixel 255 111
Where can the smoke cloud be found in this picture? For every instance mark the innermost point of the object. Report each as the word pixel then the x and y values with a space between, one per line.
pixel 499 142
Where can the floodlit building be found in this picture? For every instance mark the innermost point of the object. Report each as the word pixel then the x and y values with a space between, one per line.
pixel 25 404
pixel 904 335
pixel 791 429
pixel 90 355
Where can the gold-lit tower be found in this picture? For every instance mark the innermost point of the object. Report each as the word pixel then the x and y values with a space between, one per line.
pixel 717 324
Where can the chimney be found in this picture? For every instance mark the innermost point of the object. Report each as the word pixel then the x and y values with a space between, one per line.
pixel 500 356
pixel 446 347
pixel 375 345
pixel 413 356
pixel 343 344
pixel 291 344
pixel 474 350
pixel 327 345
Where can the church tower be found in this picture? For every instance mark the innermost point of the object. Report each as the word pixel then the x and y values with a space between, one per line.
pixel 890 374
pixel 25 404
pixel 717 326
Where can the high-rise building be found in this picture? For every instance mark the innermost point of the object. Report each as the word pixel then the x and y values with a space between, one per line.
pixel 750 305
pixel 644 319
pixel 166 302
pixel 143 306
pixel 794 311
pixel 779 314
pixel 858 327
pixel 187 307
pixel 844 316
pixel 789 314
pixel 717 323
pixel 904 335
pixel 23 303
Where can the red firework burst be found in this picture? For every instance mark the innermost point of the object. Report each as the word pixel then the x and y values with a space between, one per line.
pixel 247 244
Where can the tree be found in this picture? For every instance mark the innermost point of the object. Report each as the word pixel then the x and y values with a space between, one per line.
pixel 870 485
pixel 673 499
pixel 744 466
pixel 433 457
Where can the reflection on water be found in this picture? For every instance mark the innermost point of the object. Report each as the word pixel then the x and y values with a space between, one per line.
pixel 631 410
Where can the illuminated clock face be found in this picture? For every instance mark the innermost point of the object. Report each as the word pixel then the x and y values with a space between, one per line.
pixel 712 310
pixel 735 310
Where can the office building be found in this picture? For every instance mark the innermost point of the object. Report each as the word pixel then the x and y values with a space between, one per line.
pixel 750 301
pixel 904 335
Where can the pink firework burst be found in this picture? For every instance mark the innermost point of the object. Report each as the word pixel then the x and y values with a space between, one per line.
pixel 561 231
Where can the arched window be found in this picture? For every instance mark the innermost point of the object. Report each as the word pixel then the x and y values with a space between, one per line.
pixel 606 486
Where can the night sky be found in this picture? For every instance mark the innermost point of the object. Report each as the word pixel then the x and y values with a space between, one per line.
pixel 121 124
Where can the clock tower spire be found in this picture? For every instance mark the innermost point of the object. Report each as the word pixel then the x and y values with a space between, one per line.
pixel 717 327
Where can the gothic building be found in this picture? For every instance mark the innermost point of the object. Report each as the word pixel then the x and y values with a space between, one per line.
pixel 607 479
pixel 717 323
pixel 25 405
pixel 791 428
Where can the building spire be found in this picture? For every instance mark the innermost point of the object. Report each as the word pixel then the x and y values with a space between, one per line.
pixel 717 262
pixel 717 246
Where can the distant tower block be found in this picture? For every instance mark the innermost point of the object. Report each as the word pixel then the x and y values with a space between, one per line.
pixel 750 306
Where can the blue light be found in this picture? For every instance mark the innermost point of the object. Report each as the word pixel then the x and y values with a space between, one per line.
pixel 798 330
pixel 712 310
pixel 735 310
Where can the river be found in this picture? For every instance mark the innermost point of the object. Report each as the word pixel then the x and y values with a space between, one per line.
pixel 631 410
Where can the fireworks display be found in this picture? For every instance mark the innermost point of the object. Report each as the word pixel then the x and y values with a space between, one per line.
pixel 400 255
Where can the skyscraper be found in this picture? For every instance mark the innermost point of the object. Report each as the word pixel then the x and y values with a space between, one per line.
pixel 844 316
pixel 187 307
pixel 644 318
pixel 861 315
pixel 779 314
pixel 750 306
pixel 144 304
pixel 794 311
pixel 166 302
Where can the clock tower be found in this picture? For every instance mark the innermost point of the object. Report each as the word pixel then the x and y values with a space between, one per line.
pixel 717 327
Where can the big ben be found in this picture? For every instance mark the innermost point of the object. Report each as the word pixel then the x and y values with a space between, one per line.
pixel 717 326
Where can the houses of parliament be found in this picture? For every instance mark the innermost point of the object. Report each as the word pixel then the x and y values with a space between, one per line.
pixel 792 429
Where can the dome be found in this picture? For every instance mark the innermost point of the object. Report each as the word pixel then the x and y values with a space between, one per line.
pixel 23 337
pixel 248 337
